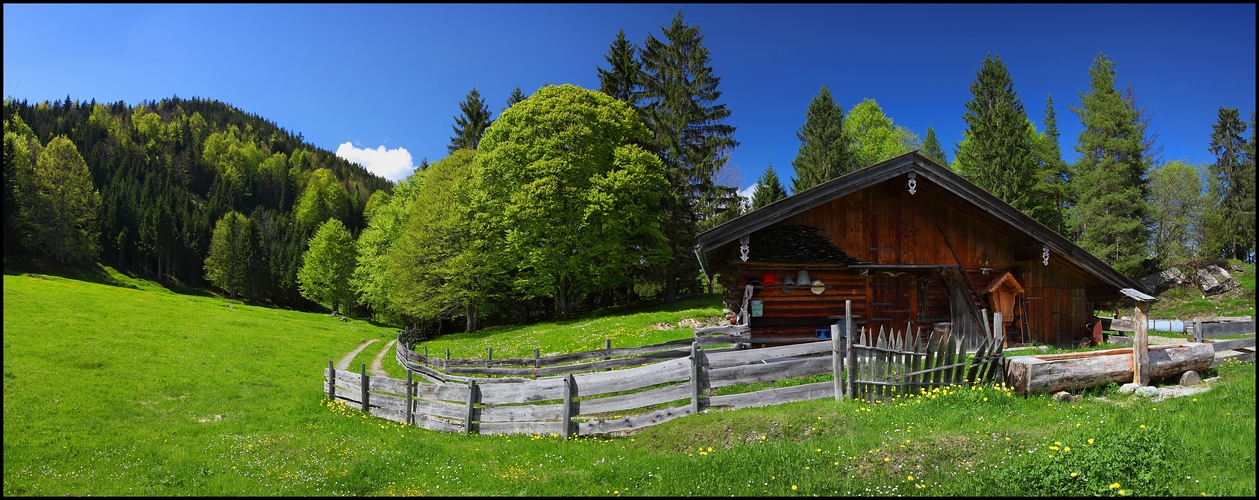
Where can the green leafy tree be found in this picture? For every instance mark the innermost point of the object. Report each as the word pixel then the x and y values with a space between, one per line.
pixel 931 148
pixel 328 265
pixel 1232 233
pixel 999 153
pixel 1176 207
pixel 621 80
pixel 873 136
pixel 768 189
pixel 232 249
pixel 17 170
pixel 373 280
pixel 470 124
pixel 323 198
pixel 579 199
pixel 678 102
pixel 59 206
pixel 1109 179
pixel 823 153
pixel 442 264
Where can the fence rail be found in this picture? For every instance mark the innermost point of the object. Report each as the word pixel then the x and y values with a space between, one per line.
pixel 580 393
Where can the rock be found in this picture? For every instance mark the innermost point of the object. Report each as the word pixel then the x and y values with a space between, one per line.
pixel 1190 378
pixel 1147 391
pixel 1214 280
pixel 1159 282
pixel 1065 397
pixel 689 323
pixel 1128 388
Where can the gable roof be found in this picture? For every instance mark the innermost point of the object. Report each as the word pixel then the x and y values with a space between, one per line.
pixel 925 169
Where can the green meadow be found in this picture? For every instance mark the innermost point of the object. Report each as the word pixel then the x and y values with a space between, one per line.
pixel 135 390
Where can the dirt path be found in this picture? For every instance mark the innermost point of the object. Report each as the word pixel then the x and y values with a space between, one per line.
pixel 344 364
pixel 376 370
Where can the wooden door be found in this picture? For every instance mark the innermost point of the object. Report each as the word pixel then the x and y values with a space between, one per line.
pixel 891 302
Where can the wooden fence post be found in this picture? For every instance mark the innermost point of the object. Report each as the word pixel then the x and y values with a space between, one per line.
pixel 837 347
pixel 569 386
pixel 447 354
pixel 426 354
pixel 332 381
pixel 489 355
pixel 607 346
pixel 852 361
pixel 472 396
pixel 1140 345
pixel 536 363
pixel 410 397
pixel 695 368
pixel 365 381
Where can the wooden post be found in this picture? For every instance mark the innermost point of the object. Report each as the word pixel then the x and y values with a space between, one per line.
pixel 1197 329
pixel 410 397
pixel 489 355
pixel 1140 345
pixel 852 361
pixel 536 363
pixel 365 382
pixel 607 347
pixel 695 377
pixel 472 396
pixel 569 388
pixel 997 325
pixel 836 348
pixel 425 354
pixel 332 381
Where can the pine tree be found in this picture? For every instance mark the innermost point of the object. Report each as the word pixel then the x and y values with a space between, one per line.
pixel 621 81
pixel 515 97
pixel 931 148
pixel 1109 181
pixel 679 103
pixel 823 153
pixel 768 189
pixel 998 153
pixel 474 118
pixel 1234 183
pixel 1053 176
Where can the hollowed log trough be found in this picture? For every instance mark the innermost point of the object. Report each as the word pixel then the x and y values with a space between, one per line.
pixel 1051 373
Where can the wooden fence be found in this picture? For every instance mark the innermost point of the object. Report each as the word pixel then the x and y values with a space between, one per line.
pixel 1206 328
pixel 581 394
pixel 883 367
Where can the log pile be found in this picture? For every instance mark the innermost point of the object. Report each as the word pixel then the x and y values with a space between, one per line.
pixel 1079 370
pixel 795 243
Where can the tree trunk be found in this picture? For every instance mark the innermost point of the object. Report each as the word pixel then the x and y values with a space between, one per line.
pixel 670 290
pixel 1081 370
pixel 472 319
pixel 561 298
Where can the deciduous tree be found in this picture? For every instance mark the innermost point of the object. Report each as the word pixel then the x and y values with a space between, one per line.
pixel 873 136
pixel 327 266
pixel 1176 207
pixel 60 204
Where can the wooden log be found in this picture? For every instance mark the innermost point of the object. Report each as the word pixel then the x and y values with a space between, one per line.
pixel 777 395
pixel 496 428
pixel 768 372
pixel 657 417
pixel 467 423
pixel 1035 374
pixel 1204 329
pixel 1229 345
pixel 624 402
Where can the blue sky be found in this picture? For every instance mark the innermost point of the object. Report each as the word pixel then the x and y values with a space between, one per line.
pixel 388 79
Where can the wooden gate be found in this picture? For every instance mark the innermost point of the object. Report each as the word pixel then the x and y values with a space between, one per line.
pixel 886 366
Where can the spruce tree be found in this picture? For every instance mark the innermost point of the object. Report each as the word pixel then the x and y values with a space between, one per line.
pixel 931 148
pixel 679 104
pixel 768 189
pixel 1234 182
pixel 823 153
pixel 474 118
pixel 515 97
pixel 1109 181
pixel 1053 176
pixel 621 80
pixel 998 154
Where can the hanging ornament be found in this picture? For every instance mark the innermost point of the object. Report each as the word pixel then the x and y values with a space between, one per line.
pixel 913 183
pixel 1044 254
pixel 743 248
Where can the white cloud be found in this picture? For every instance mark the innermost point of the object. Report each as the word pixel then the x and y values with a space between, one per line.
pixel 747 193
pixel 392 164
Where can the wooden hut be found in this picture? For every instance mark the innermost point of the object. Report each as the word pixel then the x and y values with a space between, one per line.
pixel 916 248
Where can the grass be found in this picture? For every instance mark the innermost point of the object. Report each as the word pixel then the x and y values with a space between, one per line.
pixel 121 391
pixel 1186 301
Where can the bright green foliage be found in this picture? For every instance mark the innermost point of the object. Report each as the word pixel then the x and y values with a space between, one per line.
pixel 579 199
pixel 386 216
pixel 873 137
pixel 323 198
pixel 471 123
pixel 235 159
pixel 1053 177
pixel 678 102
pixel 232 248
pixel 1232 233
pixel 18 163
pixel 999 152
pixel 1108 218
pixel 327 266
pixel 621 80
pixel 1176 206
pixel 59 204
pixel 437 266
pixel 768 189
pixel 932 149
pixel 823 153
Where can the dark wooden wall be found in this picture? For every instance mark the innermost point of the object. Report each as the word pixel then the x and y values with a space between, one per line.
pixel 884 224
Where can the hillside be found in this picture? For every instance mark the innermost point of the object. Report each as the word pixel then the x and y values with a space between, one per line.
pixel 168 170
pixel 1186 301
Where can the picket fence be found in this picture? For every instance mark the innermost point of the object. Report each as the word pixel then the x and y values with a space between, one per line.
pixel 583 394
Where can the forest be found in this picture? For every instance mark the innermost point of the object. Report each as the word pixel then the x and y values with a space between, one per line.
pixel 570 199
